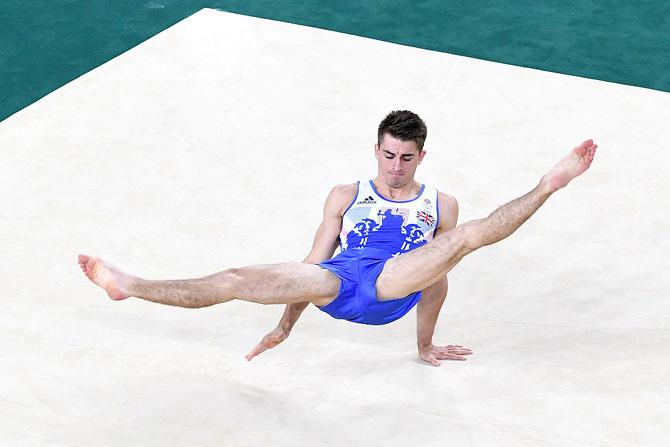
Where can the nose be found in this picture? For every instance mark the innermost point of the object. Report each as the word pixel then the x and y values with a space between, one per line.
pixel 396 164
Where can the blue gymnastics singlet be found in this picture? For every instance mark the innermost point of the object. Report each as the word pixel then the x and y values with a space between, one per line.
pixel 375 229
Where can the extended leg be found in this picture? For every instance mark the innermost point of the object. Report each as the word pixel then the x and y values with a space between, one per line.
pixel 424 266
pixel 265 284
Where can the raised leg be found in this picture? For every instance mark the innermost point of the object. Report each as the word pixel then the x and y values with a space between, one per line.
pixel 264 284
pixel 424 266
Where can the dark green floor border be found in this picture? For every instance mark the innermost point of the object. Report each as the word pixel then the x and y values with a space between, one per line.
pixel 46 43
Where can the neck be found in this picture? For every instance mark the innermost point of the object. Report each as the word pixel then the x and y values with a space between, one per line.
pixel 404 192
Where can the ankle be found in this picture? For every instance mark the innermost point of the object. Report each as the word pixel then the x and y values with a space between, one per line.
pixel 131 285
pixel 546 186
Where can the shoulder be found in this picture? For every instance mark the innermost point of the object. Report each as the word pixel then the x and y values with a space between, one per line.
pixel 341 196
pixel 345 190
pixel 448 210
pixel 447 201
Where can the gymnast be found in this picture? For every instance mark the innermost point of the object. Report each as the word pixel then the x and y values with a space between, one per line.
pixel 398 239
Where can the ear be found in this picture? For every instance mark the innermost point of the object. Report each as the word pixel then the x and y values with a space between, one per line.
pixel 421 155
pixel 377 149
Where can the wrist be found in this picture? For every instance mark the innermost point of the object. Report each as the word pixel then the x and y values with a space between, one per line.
pixel 423 344
pixel 285 326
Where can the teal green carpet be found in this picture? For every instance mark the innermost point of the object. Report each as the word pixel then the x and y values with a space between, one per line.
pixel 45 44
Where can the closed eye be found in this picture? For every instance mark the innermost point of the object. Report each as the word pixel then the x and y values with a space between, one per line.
pixel 391 155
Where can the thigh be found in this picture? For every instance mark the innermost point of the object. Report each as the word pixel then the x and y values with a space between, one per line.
pixel 286 283
pixel 422 267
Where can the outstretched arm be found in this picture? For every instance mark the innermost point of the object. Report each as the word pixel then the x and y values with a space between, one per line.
pixel 432 299
pixel 323 247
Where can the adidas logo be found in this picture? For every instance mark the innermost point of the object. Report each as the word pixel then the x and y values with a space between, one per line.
pixel 369 200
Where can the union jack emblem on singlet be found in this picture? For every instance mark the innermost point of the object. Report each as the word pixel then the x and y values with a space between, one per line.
pixel 425 217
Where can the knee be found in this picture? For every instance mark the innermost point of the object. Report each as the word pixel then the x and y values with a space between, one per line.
pixel 458 241
pixel 232 272
pixel 226 281
pixel 467 236
pixel 228 274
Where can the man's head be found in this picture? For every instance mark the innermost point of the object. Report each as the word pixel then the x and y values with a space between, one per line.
pixel 403 125
pixel 399 148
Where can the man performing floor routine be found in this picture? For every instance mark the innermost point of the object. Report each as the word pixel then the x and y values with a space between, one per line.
pixel 398 240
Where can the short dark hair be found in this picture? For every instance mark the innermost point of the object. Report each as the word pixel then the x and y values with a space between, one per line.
pixel 404 125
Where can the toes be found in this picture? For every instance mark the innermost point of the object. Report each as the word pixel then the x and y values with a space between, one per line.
pixel 581 151
pixel 90 266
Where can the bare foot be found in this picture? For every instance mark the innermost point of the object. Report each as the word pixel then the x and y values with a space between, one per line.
pixel 105 275
pixel 571 166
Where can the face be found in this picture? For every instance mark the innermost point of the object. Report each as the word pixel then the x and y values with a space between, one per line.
pixel 397 160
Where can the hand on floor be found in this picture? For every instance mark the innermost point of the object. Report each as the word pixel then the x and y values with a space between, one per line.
pixel 433 354
pixel 271 340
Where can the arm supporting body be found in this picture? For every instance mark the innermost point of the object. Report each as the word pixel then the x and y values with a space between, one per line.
pixel 427 312
pixel 433 297
pixel 325 243
pixel 323 247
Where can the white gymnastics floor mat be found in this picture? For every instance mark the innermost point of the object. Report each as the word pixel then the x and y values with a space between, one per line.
pixel 215 143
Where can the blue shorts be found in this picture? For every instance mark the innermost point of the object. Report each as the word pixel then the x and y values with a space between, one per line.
pixel 358 268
